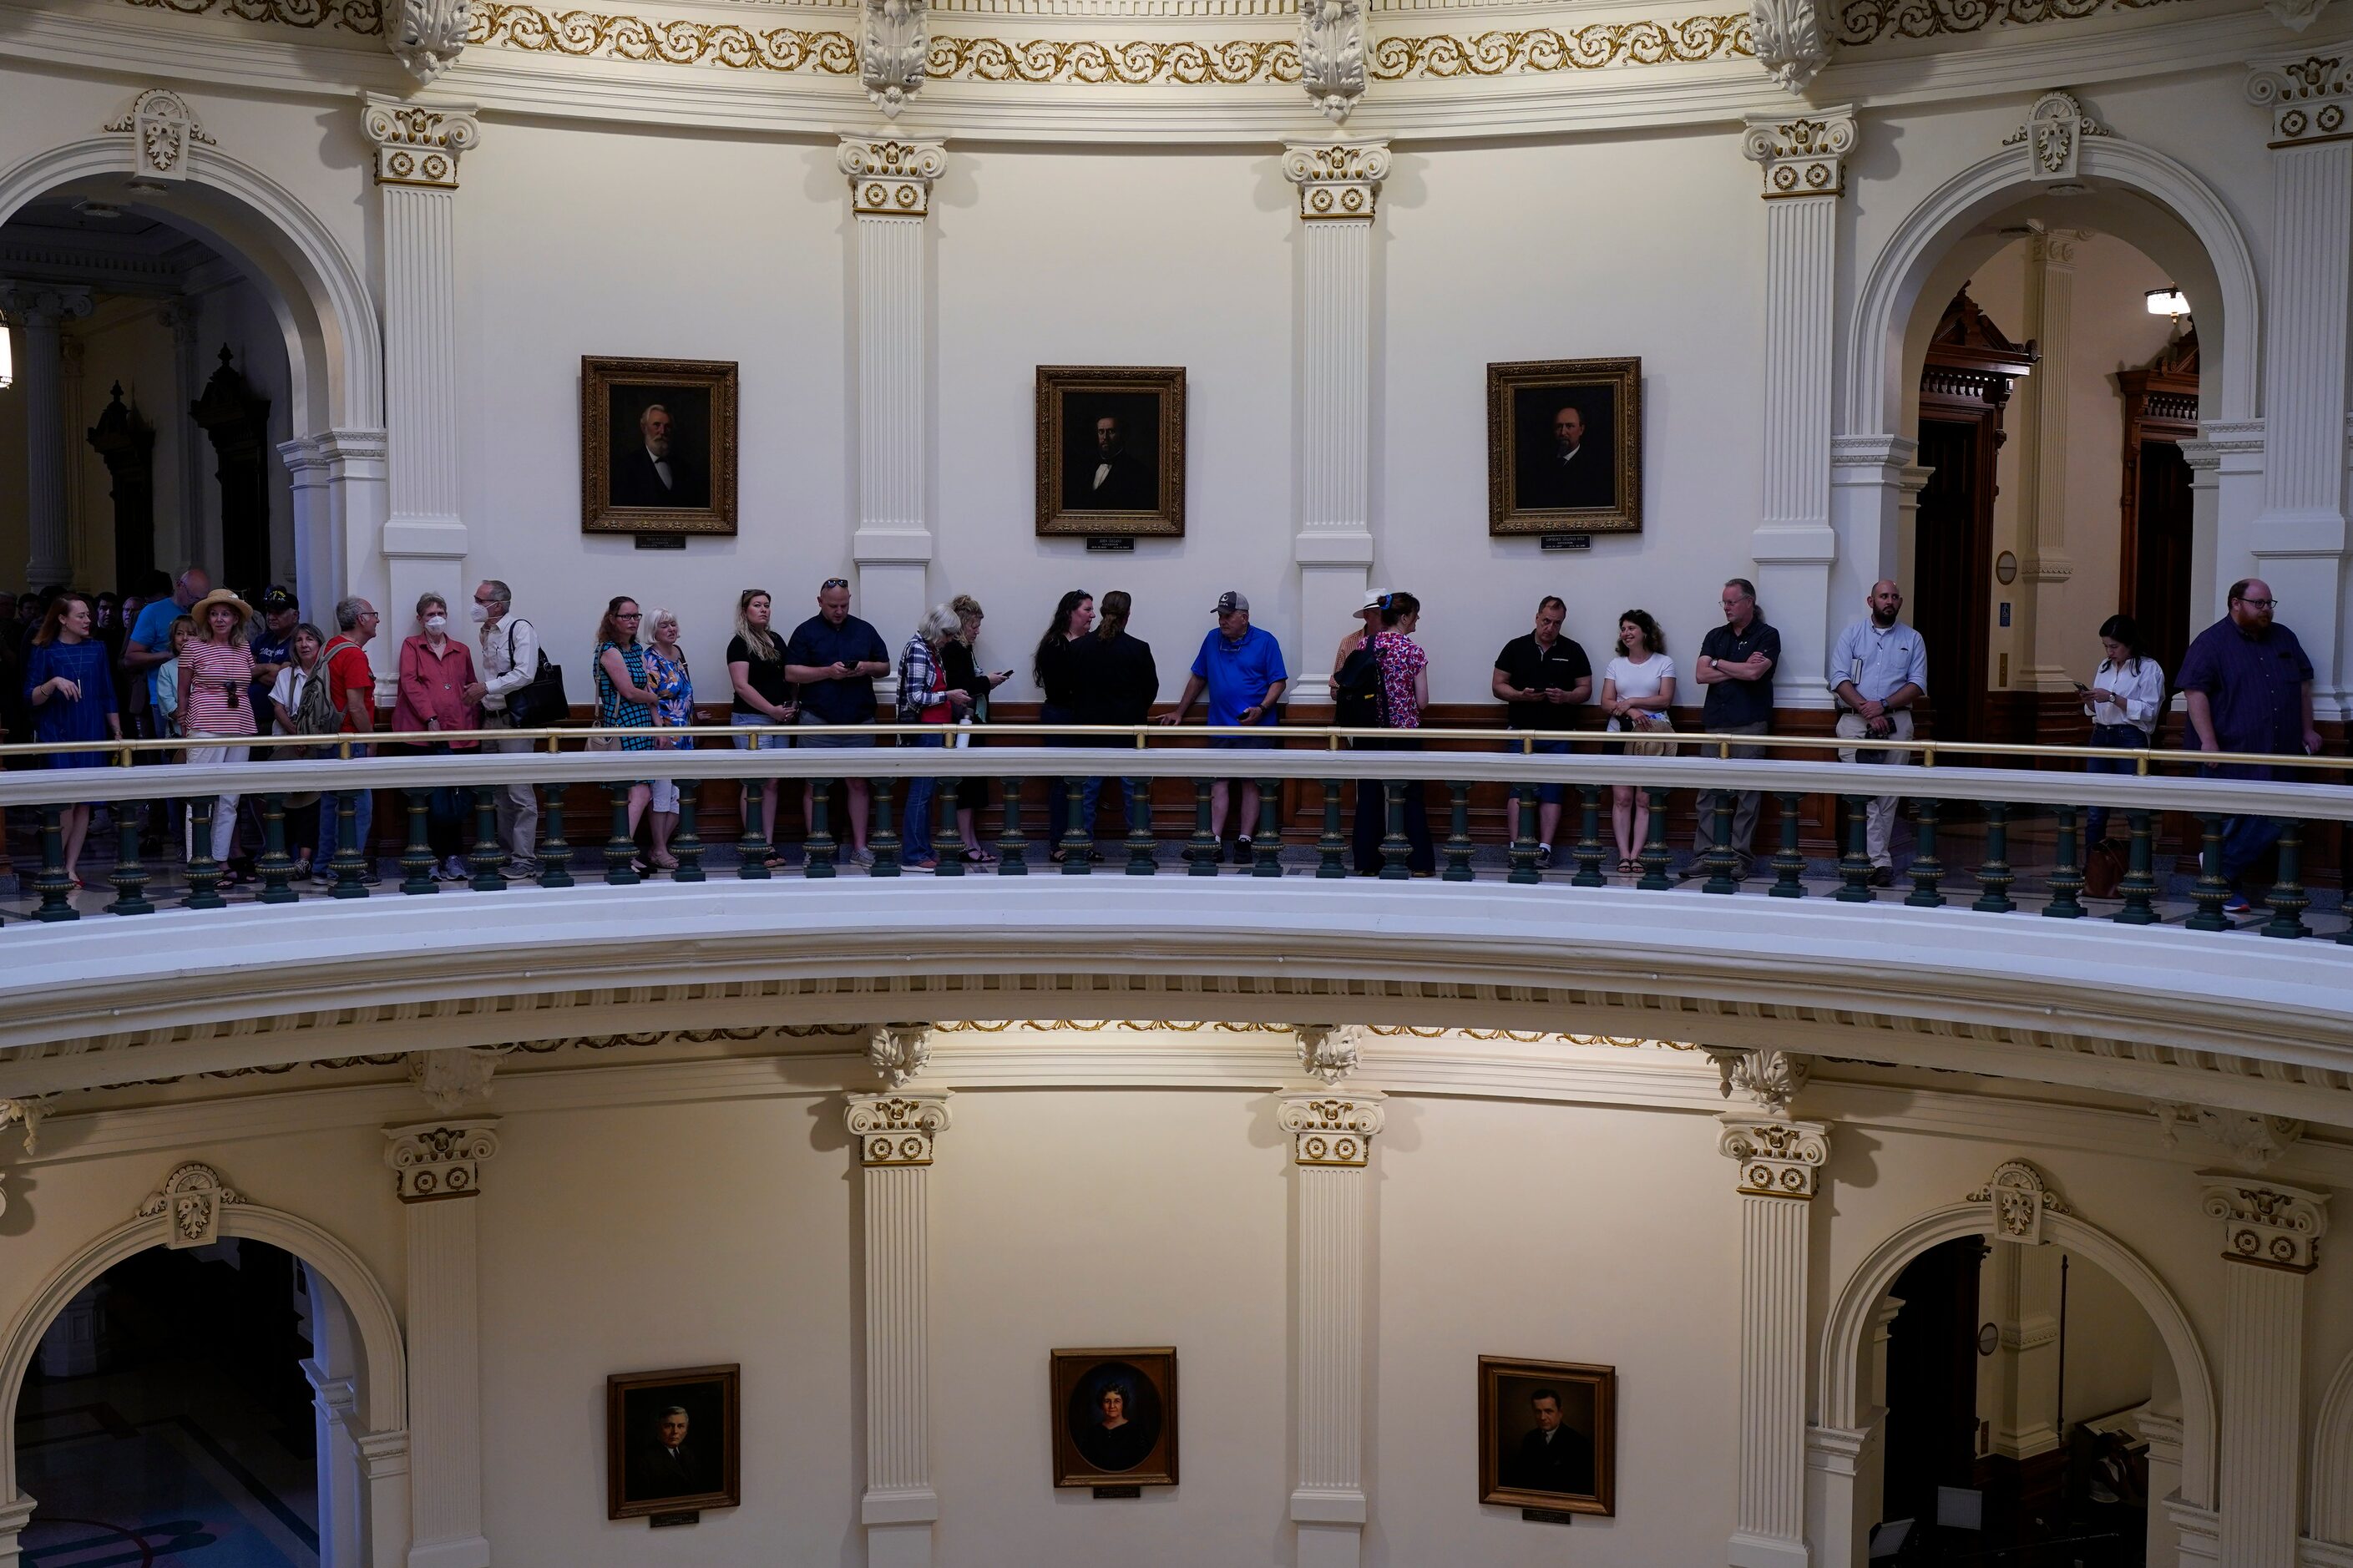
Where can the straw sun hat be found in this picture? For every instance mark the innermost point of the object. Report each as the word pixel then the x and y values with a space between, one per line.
pixel 204 607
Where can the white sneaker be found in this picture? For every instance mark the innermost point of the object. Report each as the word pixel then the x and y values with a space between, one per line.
pixel 453 869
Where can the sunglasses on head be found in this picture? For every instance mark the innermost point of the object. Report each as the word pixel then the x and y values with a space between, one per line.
pixel 830 584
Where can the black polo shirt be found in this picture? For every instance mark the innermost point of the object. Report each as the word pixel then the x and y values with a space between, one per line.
pixel 1533 668
pixel 1732 703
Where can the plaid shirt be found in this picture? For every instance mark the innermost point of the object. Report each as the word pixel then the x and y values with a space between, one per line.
pixel 922 685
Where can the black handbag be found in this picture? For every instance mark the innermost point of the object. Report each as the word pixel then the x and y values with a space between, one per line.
pixel 1357 692
pixel 542 702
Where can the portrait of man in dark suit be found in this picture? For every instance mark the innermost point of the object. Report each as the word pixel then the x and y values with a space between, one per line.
pixel 672 1441
pixel 656 460
pixel 1111 455
pixel 1552 1456
pixel 1565 447
pixel 1548 1436
pixel 665 1465
pixel 1568 464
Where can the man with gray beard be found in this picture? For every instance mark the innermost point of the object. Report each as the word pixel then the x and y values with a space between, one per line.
pixel 656 471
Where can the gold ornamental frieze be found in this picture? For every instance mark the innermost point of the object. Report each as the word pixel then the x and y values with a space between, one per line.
pixel 1506 51
pixel 592 35
pixel 1139 63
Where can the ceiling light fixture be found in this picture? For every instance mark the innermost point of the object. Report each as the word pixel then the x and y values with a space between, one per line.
pixel 105 212
pixel 2169 302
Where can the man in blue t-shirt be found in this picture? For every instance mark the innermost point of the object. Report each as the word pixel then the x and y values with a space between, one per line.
pixel 833 658
pixel 1242 669
pixel 149 647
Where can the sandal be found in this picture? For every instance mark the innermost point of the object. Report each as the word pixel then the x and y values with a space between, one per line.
pixel 1630 867
pixel 979 858
pixel 667 862
pixel 773 863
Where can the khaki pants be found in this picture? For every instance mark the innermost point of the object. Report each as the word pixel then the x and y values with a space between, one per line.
pixel 1880 816
pixel 518 803
pixel 1744 810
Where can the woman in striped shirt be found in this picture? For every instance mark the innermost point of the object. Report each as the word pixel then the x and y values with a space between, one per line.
pixel 215 672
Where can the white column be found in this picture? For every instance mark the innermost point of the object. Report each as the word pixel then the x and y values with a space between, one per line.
pixel 40 310
pixel 13 1516
pixel 2163 1436
pixel 2270 1236
pixel 897 1134
pixel 2300 536
pixel 438 1165
pixel 1339 186
pixel 1780 1163
pixel 1332 1136
pixel 2044 565
pixel 335 1403
pixel 890 181
pixel 1795 544
pixel 417 147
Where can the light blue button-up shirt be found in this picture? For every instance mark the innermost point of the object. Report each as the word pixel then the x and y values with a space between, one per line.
pixel 1879 662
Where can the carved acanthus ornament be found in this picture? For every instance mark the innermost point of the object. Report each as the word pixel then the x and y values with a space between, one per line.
pixel 1329 1051
pixel 27 1114
pixel 2053 137
pixel 2016 1197
pixel 427 36
pixel 2296 15
pixel 2269 1223
pixel 1332 55
pixel 190 1201
pixel 1778 1158
pixel 899 1051
pixel 1332 1129
pixel 1802 155
pixel 891 176
pixel 892 53
pixel 452 1079
pixel 163 130
pixel 1771 1079
pixel 436 1160
pixel 1336 179
pixel 2253 1140
pixel 896 1128
pixel 2306 96
pixel 1792 38
pixel 420 144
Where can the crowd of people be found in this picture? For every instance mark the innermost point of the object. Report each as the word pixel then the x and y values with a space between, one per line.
pixel 182 661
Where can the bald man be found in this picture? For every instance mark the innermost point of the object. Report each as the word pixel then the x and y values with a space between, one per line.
pixel 1878 671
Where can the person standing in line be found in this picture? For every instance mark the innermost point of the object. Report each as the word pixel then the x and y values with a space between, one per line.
pixel 353 685
pixel 2246 683
pixel 1735 664
pixel 1120 683
pixel 1240 666
pixel 763 697
pixel 510 662
pixel 434 674
pixel 273 649
pixel 1879 671
pixel 926 697
pixel 1055 668
pixel 1638 689
pixel 672 684
pixel 964 673
pixel 216 673
pixel 624 702
pixel 1544 680
pixel 1367 625
pixel 70 689
pixel 302 704
pixel 145 650
pixel 833 657
pixel 1405 692
pixel 2125 701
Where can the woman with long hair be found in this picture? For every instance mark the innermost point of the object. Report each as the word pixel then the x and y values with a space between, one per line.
pixel 763 696
pixel 436 668
pixel 1056 666
pixel 2125 701
pixel 624 700
pixel 673 685
pixel 305 705
pixel 966 675
pixel 71 689
pixel 1404 693
pixel 1636 693
pixel 216 673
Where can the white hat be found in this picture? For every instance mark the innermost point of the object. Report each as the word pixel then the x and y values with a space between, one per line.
pixel 1373 597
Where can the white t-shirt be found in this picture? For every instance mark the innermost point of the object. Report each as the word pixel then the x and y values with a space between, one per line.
pixel 1639 680
pixel 287 691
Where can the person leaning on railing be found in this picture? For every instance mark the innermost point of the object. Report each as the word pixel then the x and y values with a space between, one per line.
pixel 1240 666
pixel 1878 670
pixel 2247 685
pixel 71 693
pixel 1638 692
pixel 926 697
pixel 963 672
pixel 508 663
pixel 833 657
pixel 216 673
pixel 352 683
pixel 304 703
pixel 436 674
pixel 2125 701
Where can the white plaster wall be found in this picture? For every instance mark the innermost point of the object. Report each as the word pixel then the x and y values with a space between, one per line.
pixel 2112 1350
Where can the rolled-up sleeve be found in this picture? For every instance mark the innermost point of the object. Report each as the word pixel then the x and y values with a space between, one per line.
pixel 1842 657
pixel 2146 696
pixel 526 663
pixel 1915 663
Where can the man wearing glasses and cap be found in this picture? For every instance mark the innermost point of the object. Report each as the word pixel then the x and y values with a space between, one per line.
pixel 1240 666
pixel 2247 684
pixel 833 658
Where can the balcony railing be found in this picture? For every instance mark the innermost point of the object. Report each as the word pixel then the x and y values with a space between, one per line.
pixel 1980 814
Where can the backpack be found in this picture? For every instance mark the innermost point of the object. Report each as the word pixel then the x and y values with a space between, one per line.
pixel 1357 690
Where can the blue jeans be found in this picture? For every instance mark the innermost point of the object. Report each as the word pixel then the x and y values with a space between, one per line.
pixel 331 825
pixel 1550 793
pixel 915 821
pixel 1058 790
pixel 1131 790
pixel 2096 822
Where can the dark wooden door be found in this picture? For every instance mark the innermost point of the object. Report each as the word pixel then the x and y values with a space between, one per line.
pixel 1932 1379
pixel 1949 593
pixel 2160 554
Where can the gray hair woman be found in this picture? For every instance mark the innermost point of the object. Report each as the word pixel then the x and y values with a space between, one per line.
pixel 926 697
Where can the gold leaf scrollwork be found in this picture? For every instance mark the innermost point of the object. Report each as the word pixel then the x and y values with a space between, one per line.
pixel 1869 21
pixel 595 35
pixel 363 16
pixel 1234 63
pixel 1646 43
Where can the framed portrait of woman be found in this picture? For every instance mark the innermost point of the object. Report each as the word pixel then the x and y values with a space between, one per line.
pixel 1114 1417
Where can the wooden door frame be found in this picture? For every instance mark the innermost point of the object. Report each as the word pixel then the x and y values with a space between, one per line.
pixel 2160 404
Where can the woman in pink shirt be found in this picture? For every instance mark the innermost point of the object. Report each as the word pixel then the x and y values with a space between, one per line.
pixel 435 671
pixel 215 675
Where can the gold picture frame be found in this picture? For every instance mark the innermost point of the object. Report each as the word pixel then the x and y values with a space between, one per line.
pixel 1128 485
pixel 1519 1464
pixel 624 488
pixel 1538 480
pixel 644 1473
pixel 1140 1451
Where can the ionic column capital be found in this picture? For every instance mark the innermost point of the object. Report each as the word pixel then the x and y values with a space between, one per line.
pixel 418 143
pixel 2307 94
pixel 1778 1158
pixel 896 1128
pixel 44 304
pixel 1802 154
pixel 1337 181
pixel 891 176
pixel 1331 1128
pixel 2268 1225
pixel 436 1160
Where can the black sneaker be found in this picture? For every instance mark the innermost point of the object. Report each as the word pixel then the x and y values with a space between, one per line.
pixel 1243 852
pixel 1544 856
pixel 1882 876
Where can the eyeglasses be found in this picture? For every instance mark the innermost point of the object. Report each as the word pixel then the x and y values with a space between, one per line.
pixel 830 584
pixel 630 616
pixel 2260 604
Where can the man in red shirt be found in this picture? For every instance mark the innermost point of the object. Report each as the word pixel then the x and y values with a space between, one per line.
pixel 353 684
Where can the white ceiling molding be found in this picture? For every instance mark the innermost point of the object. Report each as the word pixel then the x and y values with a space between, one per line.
pixel 2296 15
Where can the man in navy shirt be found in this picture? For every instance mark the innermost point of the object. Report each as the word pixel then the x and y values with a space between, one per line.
pixel 1241 668
pixel 2247 685
pixel 1735 664
pixel 833 658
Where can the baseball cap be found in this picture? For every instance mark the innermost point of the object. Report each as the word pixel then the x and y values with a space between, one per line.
pixel 1229 601
pixel 275 598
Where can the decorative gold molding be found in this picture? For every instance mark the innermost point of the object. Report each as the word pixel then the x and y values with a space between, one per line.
pixel 362 16
pixel 1331 1128
pixel 418 144
pixel 648 41
pixel 1778 1158
pixel 2269 1224
pixel 2307 97
pixel 1685 41
pixel 1870 21
pixel 891 176
pixel 1336 180
pixel 1137 63
pixel 896 1128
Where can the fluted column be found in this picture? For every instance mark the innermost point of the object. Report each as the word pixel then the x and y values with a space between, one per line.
pixel 418 148
pixel 2301 526
pixel 41 310
pixel 1331 1140
pixel 896 1134
pixel 2271 1235
pixel 1339 189
pixel 2043 563
pixel 890 181
pixel 1795 545
pixel 438 1169
pixel 1780 1163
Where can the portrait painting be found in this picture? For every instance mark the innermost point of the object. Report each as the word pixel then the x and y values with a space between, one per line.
pixel 1114 1417
pixel 1111 450
pixel 657 446
pixel 670 1441
pixel 1564 447
pixel 1548 1435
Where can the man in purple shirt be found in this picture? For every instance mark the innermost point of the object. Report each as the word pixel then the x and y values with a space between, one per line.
pixel 2248 687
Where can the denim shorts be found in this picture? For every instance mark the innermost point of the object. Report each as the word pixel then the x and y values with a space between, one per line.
pixel 817 734
pixel 775 742
pixel 1543 746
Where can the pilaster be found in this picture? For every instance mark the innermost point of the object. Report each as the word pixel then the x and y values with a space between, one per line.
pixel 437 1169
pixel 896 1134
pixel 1780 1163
pixel 2271 1241
pixel 2043 563
pixel 1339 188
pixel 1803 157
pixel 15 1514
pixel 419 146
pixel 40 310
pixel 1331 1132
pixel 890 181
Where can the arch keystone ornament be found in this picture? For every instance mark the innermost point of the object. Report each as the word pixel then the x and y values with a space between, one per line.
pixel 164 131
pixel 896 1128
pixel 1769 1078
pixel 891 176
pixel 190 1201
pixel 2016 1197
pixel 893 53
pixel 2268 1224
pixel 1336 180
pixel 438 1160
pixel 1332 1130
pixel 2053 138
pixel 1803 154
pixel 418 143
pixel 1778 1158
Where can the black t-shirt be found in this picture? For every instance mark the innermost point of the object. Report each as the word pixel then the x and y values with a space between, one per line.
pixel 1533 668
pixel 1740 702
pixel 768 675
pixel 1114 680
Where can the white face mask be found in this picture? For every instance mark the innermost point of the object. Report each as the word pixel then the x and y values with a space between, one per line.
pixel 436 623
pixel 481 612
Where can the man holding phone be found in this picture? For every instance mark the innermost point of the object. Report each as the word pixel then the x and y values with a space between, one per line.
pixel 833 657
pixel 1544 680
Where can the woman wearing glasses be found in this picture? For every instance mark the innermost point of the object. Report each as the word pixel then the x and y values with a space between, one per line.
pixel 625 700
pixel 216 671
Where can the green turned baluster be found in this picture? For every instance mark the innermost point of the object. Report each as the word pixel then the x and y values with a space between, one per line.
pixel 1588 851
pixel 57 890
pixel 130 879
pixel 1854 866
pixel 2066 897
pixel 620 849
pixel 1078 844
pixel 1331 850
pixel 1141 861
pixel 820 851
pixel 2287 898
pixel 350 859
pixel 2139 885
pixel 1012 844
pixel 554 850
pixel 1927 871
pixel 1203 851
pixel 277 866
pixel 204 872
pixel 1723 865
pixel 417 856
pixel 947 839
pixel 1654 857
pixel 1395 849
pixel 884 840
pixel 686 844
pixel 751 846
pixel 1788 861
pixel 1458 836
pixel 1994 875
pixel 1523 852
pixel 2213 890
pixel 486 857
pixel 1266 849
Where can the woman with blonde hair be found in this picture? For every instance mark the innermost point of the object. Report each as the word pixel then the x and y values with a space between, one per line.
pixel 72 691
pixel 763 696
pixel 966 675
pixel 672 684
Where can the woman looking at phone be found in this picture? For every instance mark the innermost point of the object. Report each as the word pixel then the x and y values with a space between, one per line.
pixel 216 671
pixel 2125 701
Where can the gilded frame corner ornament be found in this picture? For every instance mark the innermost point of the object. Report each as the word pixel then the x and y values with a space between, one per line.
pixel 1622 379
pixel 1167 520
pixel 599 378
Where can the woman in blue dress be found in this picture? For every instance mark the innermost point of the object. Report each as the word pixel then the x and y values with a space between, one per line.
pixel 72 694
pixel 625 701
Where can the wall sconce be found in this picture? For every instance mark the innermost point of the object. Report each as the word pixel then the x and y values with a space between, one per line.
pixel 2169 302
